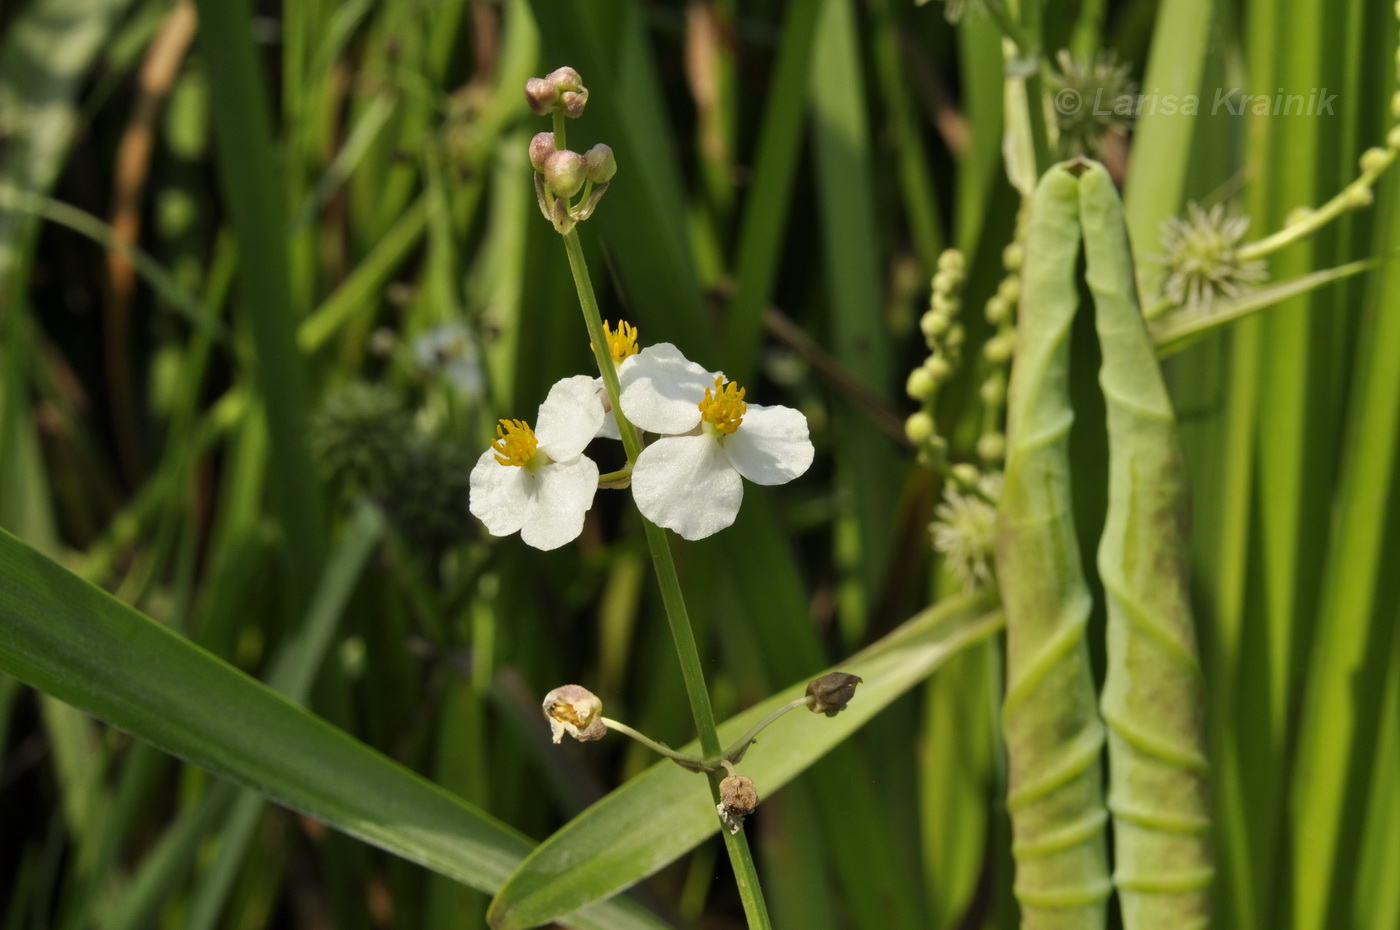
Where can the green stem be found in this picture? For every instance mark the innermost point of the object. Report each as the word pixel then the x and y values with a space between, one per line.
pixel 746 875
pixel 736 752
pixel 694 763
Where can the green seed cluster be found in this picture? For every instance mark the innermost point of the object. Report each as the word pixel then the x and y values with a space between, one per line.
pixel 944 337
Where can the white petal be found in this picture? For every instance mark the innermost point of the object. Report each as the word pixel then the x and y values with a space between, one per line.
pixel 662 389
pixel 569 418
pixel 499 494
pixel 564 492
pixel 771 446
pixel 686 484
pixel 608 429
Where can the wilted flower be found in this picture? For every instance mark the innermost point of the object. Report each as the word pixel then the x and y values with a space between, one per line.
pixel 965 530
pixel 1203 257
pixel 831 692
pixel 574 710
pixel 737 799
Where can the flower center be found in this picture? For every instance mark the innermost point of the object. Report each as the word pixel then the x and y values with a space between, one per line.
pixel 515 444
pixel 622 342
pixel 723 409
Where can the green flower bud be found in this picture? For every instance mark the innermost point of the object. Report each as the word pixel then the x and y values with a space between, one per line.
pixel 1012 256
pixel 541 95
pixel 998 349
pixel 541 147
pixel 1392 138
pixel 1298 216
pixel 997 309
pixel 1009 289
pixel 991 447
pixel 946 304
pixel 600 164
pixel 919 427
pixel 1375 159
pixel 938 368
pixel 945 282
pixel 934 324
pixel 993 390
pixel 956 335
pixel 953 261
pixel 1359 196
pixel 564 173
pixel 920 384
pixel 966 474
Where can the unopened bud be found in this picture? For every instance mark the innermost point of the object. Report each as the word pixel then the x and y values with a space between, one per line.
pixel 952 260
pixel 1009 289
pixel 541 95
pixel 1012 256
pixel 919 427
pixel 946 304
pixel 991 447
pixel 600 164
pixel 541 147
pixel 998 349
pixel 955 336
pixel 1375 159
pixel 832 692
pixel 997 309
pixel 993 390
pixel 574 103
pixel 566 78
pixel 934 324
pixel 937 366
pixel 1359 196
pixel 920 384
pixel 737 799
pixel 564 172
pixel 966 474
pixel 945 281
pixel 1392 138
pixel 574 710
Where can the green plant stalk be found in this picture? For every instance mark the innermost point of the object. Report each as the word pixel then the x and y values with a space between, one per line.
pixel 746 875
pixel 1154 695
pixel 1054 738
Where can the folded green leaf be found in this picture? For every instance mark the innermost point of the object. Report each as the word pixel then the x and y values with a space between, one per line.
pixel 665 811
pixel 1154 694
pixel 78 643
pixel 1054 738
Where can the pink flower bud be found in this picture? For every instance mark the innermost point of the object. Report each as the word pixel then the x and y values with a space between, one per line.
pixel 541 147
pixel 564 172
pixel 600 164
pixel 542 95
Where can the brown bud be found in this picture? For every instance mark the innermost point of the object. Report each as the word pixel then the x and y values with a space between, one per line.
pixel 541 94
pixel 565 78
pixel 541 147
pixel 831 692
pixel 574 710
pixel 574 103
pixel 737 799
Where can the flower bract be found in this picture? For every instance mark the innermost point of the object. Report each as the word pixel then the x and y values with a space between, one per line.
pixel 538 482
pixel 690 479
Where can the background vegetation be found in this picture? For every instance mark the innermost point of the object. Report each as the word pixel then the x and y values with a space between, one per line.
pixel 224 237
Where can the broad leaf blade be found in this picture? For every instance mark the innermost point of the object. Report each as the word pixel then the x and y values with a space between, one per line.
pixel 78 643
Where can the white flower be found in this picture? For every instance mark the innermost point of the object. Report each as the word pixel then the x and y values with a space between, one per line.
pixel 689 479
pixel 539 482
pixel 622 345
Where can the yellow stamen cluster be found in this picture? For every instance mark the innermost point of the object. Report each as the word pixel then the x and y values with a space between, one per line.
pixel 622 342
pixel 724 408
pixel 515 444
